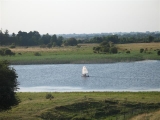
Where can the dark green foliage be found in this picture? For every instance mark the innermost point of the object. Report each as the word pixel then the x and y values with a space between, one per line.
pixel 150 38
pixel 70 42
pixel 8 86
pixel 104 43
pixel 49 96
pixel 128 52
pixel 158 52
pixel 37 54
pixel 33 38
pixel 106 47
pixel 97 49
pixel 113 50
pixel 28 39
pixel 6 51
pixel 141 50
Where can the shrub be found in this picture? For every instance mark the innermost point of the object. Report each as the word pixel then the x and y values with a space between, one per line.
pixel 128 52
pixel 49 96
pixel 113 50
pixel 105 49
pixel 158 52
pixel 6 51
pixel 141 50
pixel 37 54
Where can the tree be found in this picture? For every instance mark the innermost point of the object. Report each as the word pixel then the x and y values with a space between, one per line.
pixel 71 42
pixel 59 40
pixel 8 86
pixel 151 38
pixel 46 38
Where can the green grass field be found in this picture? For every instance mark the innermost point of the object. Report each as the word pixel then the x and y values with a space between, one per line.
pixel 83 54
pixel 85 106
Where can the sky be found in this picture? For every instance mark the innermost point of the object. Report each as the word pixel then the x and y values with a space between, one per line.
pixel 79 16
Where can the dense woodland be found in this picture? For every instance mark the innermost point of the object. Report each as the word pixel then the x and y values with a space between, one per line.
pixel 34 38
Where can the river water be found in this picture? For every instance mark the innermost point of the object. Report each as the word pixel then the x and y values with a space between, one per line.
pixel 127 76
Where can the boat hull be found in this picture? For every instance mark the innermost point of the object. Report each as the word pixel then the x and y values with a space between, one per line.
pixel 85 75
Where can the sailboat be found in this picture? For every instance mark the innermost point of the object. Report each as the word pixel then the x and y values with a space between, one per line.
pixel 84 72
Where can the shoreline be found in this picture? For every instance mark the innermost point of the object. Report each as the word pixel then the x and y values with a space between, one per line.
pixel 39 89
pixel 81 62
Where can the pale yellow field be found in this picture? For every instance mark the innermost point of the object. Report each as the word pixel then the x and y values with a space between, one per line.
pixel 89 47
pixel 138 46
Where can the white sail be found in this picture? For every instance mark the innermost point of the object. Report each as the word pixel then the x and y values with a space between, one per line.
pixel 84 70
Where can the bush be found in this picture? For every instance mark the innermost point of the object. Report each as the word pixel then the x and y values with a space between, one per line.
pixel 128 52
pixel 6 51
pixel 49 96
pixel 158 52
pixel 141 50
pixel 113 50
pixel 9 52
pixel 105 49
pixel 37 54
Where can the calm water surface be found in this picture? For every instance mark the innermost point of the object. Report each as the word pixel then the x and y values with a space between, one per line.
pixel 131 76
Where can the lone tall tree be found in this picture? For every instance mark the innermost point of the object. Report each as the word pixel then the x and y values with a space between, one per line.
pixel 8 86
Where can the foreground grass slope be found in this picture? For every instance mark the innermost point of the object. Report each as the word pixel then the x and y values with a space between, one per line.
pixel 82 54
pixel 85 105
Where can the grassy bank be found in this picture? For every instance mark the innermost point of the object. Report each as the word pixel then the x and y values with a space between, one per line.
pixel 85 105
pixel 82 54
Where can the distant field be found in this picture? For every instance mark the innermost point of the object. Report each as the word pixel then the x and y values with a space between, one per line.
pixel 86 106
pixel 138 46
pixel 82 54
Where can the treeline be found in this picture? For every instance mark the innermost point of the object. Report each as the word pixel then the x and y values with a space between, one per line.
pixel 122 39
pixel 34 38
pixel 29 39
